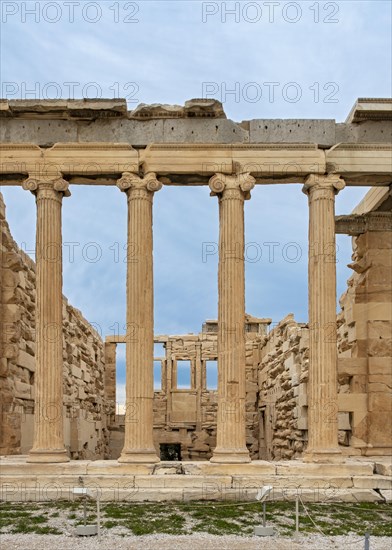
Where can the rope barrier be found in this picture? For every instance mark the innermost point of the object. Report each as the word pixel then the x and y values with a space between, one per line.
pixel 361 540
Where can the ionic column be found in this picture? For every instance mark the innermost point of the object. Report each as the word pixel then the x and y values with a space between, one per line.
pixel 198 384
pixel 322 385
pixel 138 444
pixel 231 436
pixel 48 443
pixel 169 379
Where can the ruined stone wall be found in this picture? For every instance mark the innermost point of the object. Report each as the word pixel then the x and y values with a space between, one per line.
pixel 282 379
pixel 283 401
pixel 86 434
pixel 365 345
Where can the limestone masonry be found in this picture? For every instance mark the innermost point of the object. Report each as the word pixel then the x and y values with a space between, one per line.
pixel 317 395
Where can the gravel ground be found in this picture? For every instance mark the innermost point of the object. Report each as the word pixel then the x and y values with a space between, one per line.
pixel 195 542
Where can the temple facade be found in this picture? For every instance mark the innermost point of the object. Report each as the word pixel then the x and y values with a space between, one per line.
pixel 317 391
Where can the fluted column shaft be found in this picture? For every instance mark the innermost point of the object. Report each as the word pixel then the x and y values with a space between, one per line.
pixel 322 384
pixel 48 445
pixel 231 429
pixel 138 443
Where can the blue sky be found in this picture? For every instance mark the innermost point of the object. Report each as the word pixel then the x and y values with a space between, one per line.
pixel 173 52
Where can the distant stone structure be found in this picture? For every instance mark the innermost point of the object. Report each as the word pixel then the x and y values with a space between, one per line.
pixel 319 391
pixel 187 417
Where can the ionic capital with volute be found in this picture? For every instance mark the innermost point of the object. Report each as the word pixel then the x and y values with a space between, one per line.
pixel 236 186
pixel 52 186
pixel 137 186
pixel 320 183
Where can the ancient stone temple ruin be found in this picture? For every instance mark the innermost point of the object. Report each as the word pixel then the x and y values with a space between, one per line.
pixel 303 403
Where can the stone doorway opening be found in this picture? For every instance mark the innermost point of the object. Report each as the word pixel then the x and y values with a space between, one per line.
pixel 170 451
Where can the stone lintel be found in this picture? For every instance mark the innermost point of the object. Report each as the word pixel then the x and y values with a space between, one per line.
pixel 355 224
pixel 99 162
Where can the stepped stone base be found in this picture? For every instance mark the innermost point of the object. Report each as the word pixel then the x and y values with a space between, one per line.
pixel 351 481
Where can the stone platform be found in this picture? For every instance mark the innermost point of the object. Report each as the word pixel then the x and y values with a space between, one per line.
pixel 356 480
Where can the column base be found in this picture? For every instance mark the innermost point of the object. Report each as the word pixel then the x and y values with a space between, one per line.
pixel 230 456
pixel 48 456
pixel 143 456
pixel 323 455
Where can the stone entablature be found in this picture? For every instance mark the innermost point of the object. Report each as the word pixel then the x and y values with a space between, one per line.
pixel 356 224
pixel 371 109
pixel 194 164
